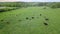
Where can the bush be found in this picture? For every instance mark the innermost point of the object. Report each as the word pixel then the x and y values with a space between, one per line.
pixel 54 5
pixel 2 10
pixel 8 9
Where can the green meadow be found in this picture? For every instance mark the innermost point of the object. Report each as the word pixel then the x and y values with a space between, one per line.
pixel 30 20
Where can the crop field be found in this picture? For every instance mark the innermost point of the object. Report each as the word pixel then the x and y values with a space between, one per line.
pixel 30 20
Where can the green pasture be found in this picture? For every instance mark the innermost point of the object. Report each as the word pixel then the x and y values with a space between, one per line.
pixel 30 20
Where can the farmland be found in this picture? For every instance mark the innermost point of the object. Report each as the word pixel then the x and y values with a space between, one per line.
pixel 30 20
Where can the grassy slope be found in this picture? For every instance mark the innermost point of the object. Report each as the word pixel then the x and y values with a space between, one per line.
pixel 30 26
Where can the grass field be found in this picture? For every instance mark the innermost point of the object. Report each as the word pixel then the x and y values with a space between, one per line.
pixel 29 21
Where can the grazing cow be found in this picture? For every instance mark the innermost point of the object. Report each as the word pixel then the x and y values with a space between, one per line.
pixel 45 23
pixel 46 19
pixel 2 20
pixel 27 18
pixel 32 17
pixel 7 22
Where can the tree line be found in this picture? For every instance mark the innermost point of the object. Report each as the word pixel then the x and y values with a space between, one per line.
pixel 30 4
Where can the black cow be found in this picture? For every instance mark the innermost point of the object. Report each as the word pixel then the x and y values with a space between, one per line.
pixel 40 14
pixel 32 17
pixel 46 19
pixel 8 22
pixel 27 18
pixel 45 23
pixel 2 20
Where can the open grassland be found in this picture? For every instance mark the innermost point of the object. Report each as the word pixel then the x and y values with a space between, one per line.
pixel 30 20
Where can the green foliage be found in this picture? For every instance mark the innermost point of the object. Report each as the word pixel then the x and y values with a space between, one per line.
pixel 7 9
pixel 54 5
pixel 22 4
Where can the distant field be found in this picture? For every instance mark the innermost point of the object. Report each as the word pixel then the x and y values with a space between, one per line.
pixel 30 21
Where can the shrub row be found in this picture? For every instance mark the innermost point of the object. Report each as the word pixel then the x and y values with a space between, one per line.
pixel 7 9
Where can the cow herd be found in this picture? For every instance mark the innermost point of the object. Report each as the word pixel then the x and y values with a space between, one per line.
pixel 45 22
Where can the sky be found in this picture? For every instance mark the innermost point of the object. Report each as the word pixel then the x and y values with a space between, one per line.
pixel 30 0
